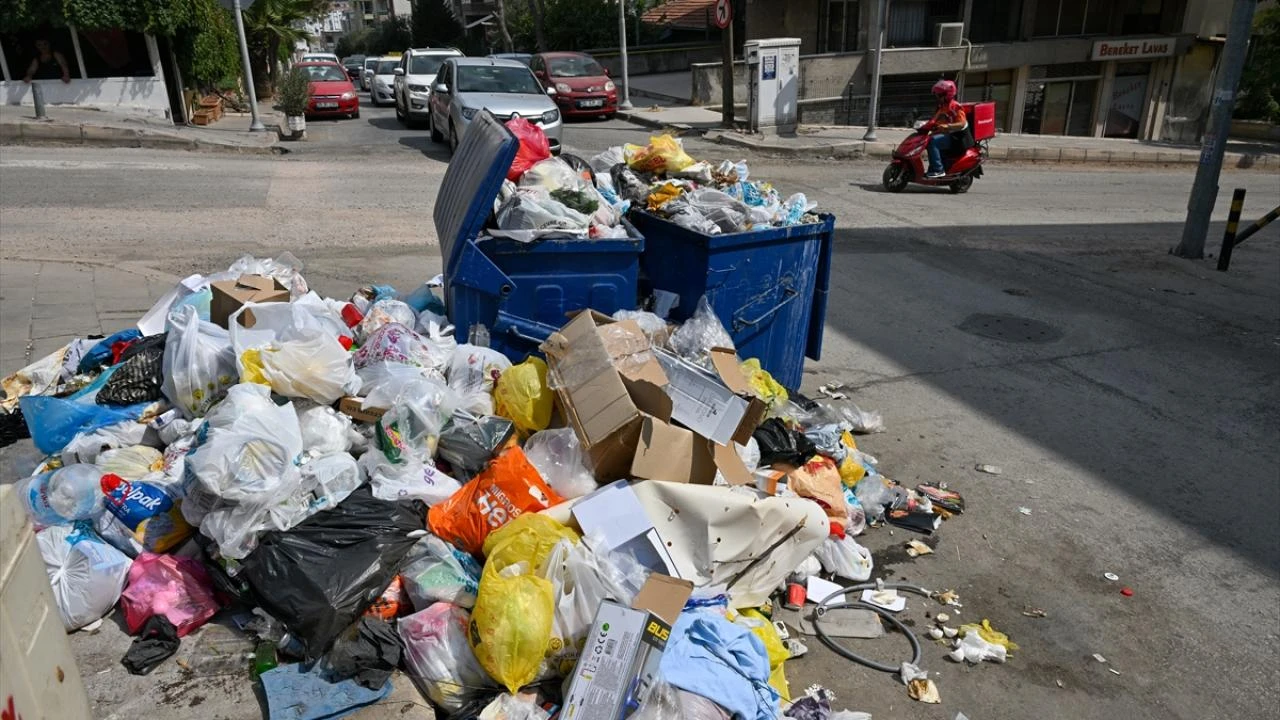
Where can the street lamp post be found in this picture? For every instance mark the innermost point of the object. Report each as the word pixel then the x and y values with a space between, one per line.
pixel 255 124
pixel 877 41
pixel 622 47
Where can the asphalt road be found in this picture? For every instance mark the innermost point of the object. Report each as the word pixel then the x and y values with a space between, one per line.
pixel 1142 441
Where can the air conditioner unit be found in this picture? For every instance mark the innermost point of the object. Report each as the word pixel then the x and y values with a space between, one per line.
pixel 948 34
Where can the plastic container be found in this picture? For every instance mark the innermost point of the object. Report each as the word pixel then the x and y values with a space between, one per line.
pixel 521 292
pixel 768 287
pixel 64 495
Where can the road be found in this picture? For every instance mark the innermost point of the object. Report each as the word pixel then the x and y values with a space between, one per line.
pixel 1141 441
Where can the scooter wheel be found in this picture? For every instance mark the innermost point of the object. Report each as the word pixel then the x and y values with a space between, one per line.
pixel 962 185
pixel 896 177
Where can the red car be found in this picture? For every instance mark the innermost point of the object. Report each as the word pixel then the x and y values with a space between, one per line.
pixel 582 86
pixel 331 90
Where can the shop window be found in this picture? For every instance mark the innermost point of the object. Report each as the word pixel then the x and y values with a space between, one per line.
pixel 115 53
pixel 1140 16
pixel 841 26
pixel 911 22
pixel 1068 18
pixel 995 86
pixel 20 50
pixel 995 20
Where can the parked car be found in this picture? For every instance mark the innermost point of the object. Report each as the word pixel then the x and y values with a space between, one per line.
pixel 504 87
pixel 320 57
pixel 521 57
pixel 412 83
pixel 381 86
pixel 366 74
pixel 354 65
pixel 331 90
pixel 582 85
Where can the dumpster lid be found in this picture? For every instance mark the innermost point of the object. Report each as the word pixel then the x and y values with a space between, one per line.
pixel 470 184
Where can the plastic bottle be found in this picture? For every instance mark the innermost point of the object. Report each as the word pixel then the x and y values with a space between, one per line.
pixel 479 336
pixel 64 495
pixel 264 657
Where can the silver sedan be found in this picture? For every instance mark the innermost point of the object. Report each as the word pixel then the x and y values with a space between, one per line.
pixel 506 88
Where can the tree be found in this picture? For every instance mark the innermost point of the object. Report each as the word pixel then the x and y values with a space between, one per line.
pixel 207 50
pixel 1260 84
pixel 540 37
pixel 434 25
pixel 501 11
pixel 273 28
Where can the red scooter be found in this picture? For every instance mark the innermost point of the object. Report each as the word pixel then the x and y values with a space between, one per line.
pixel 911 158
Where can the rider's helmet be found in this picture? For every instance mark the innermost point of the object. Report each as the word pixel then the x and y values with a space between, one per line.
pixel 944 90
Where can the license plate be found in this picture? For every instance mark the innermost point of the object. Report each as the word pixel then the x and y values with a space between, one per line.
pixel 326 105
pixel 591 103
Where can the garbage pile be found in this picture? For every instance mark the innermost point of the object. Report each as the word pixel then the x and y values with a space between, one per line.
pixel 567 197
pixel 608 530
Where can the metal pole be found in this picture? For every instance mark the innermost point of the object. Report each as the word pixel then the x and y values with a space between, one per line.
pixel 255 125
pixel 37 99
pixel 622 47
pixel 726 77
pixel 1214 146
pixel 1229 237
pixel 877 41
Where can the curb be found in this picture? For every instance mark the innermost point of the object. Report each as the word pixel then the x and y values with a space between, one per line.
pixel 59 134
pixel 653 95
pixel 646 120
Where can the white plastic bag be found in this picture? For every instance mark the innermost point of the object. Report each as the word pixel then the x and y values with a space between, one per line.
pixel 85 447
pixel 440 658
pixel 703 331
pixel 557 455
pixel 384 312
pixel 411 425
pixel 324 430
pixel 131 463
pixel 199 363
pixel 409 479
pixel 86 574
pixel 666 702
pixel 473 372
pixel 312 365
pixel 62 495
pixel 383 382
pixel 845 557
pixel 326 481
pixel 435 571
pixel 509 707
pixel 286 268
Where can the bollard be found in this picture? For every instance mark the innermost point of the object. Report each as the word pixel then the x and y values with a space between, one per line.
pixel 1229 237
pixel 37 97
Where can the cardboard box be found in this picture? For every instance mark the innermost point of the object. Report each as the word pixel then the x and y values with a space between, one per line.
pixel 615 396
pixel 353 407
pixel 231 295
pixel 619 664
pixel 613 517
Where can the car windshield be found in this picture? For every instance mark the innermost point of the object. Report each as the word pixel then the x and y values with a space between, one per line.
pixel 370 64
pixel 317 73
pixel 497 79
pixel 574 66
pixel 425 64
pixel 386 67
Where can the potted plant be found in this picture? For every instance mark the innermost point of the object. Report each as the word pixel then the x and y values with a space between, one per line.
pixel 295 93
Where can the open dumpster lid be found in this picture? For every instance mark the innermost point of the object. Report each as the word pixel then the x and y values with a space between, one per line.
pixel 467 192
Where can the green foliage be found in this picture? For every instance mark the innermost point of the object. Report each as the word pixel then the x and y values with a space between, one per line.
pixel 294 92
pixel 30 14
pixel 571 24
pixel 433 25
pixel 270 29
pixel 1260 85
pixel 207 50
pixel 388 36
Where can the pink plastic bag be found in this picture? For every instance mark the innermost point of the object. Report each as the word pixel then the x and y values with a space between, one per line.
pixel 177 587
pixel 534 147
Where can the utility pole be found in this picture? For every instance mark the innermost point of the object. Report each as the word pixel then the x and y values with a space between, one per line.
pixel 625 104
pixel 255 125
pixel 1205 190
pixel 877 42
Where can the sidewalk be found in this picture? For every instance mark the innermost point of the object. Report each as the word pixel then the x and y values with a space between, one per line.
pixel 667 88
pixel 846 141
pixel 68 125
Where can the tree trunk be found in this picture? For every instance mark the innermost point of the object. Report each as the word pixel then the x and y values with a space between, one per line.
pixel 535 9
pixel 501 12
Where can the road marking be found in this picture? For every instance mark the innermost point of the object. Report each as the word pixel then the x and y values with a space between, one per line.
pixel 96 165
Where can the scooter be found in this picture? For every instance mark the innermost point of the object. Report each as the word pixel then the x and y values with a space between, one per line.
pixel 911 161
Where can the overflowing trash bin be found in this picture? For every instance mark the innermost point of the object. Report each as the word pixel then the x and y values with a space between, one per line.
pixel 603 514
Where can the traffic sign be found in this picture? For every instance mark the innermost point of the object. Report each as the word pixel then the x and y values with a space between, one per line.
pixel 723 13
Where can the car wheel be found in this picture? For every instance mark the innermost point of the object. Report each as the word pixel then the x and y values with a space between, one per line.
pixel 399 114
pixel 436 137
pixel 453 138
pixel 355 115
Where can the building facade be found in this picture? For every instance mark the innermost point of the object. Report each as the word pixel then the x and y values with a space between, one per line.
pixel 1139 69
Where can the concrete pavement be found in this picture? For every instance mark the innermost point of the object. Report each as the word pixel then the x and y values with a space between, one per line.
pixel 66 125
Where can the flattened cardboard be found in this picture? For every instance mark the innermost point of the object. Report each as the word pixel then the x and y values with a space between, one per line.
pixel 699 401
pixel 728 367
pixel 663 596
pixel 353 407
pixel 231 295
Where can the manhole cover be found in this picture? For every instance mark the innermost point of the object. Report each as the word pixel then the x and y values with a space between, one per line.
pixel 1010 328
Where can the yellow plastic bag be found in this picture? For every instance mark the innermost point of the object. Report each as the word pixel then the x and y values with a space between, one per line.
pixel 762 384
pixel 664 194
pixel 251 367
pixel 990 634
pixel 761 627
pixel 521 395
pixel 851 469
pixel 512 619
pixel 664 153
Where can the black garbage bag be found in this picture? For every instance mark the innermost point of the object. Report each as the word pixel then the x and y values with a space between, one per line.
pixel 628 184
pixel 366 652
pixel 469 442
pixel 319 577
pixel 156 641
pixel 138 375
pixel 780 444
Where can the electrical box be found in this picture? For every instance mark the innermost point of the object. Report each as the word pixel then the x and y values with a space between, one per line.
pixel 773 84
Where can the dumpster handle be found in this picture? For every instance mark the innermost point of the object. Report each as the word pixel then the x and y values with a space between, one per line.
pixel 791 294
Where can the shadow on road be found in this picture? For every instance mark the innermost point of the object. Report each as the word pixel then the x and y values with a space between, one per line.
pixel 422 143
pixel 386 123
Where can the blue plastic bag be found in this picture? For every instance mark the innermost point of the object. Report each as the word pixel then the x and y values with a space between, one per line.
pixel 100 354
pixel 53 422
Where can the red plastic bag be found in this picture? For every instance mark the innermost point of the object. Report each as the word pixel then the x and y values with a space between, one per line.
pixel 509 487
pixel 534 147
pixel 177 587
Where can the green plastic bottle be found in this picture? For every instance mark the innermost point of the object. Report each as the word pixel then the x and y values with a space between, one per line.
pixel 264 657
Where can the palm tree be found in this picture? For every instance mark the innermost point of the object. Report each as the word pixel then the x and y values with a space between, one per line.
pixel 273 28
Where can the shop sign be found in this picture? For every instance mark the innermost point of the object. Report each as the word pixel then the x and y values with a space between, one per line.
pixel 1126 50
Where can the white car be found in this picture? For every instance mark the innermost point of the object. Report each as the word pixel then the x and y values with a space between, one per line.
pixel 321 57
pixel 366 73
pixel 381 88
pixel 413 80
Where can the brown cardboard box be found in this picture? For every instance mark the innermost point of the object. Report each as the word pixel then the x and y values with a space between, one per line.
pixel 613 391
pixel 231 295
pixel 353 407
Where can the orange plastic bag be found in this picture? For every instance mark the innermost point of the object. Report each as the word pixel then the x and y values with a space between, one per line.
pixel 819 480
pixel 507 488
pixel 390 604
pixel 534 147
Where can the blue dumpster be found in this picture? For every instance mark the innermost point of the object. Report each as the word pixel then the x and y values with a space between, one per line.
pixel 520 292
pixel 768 287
